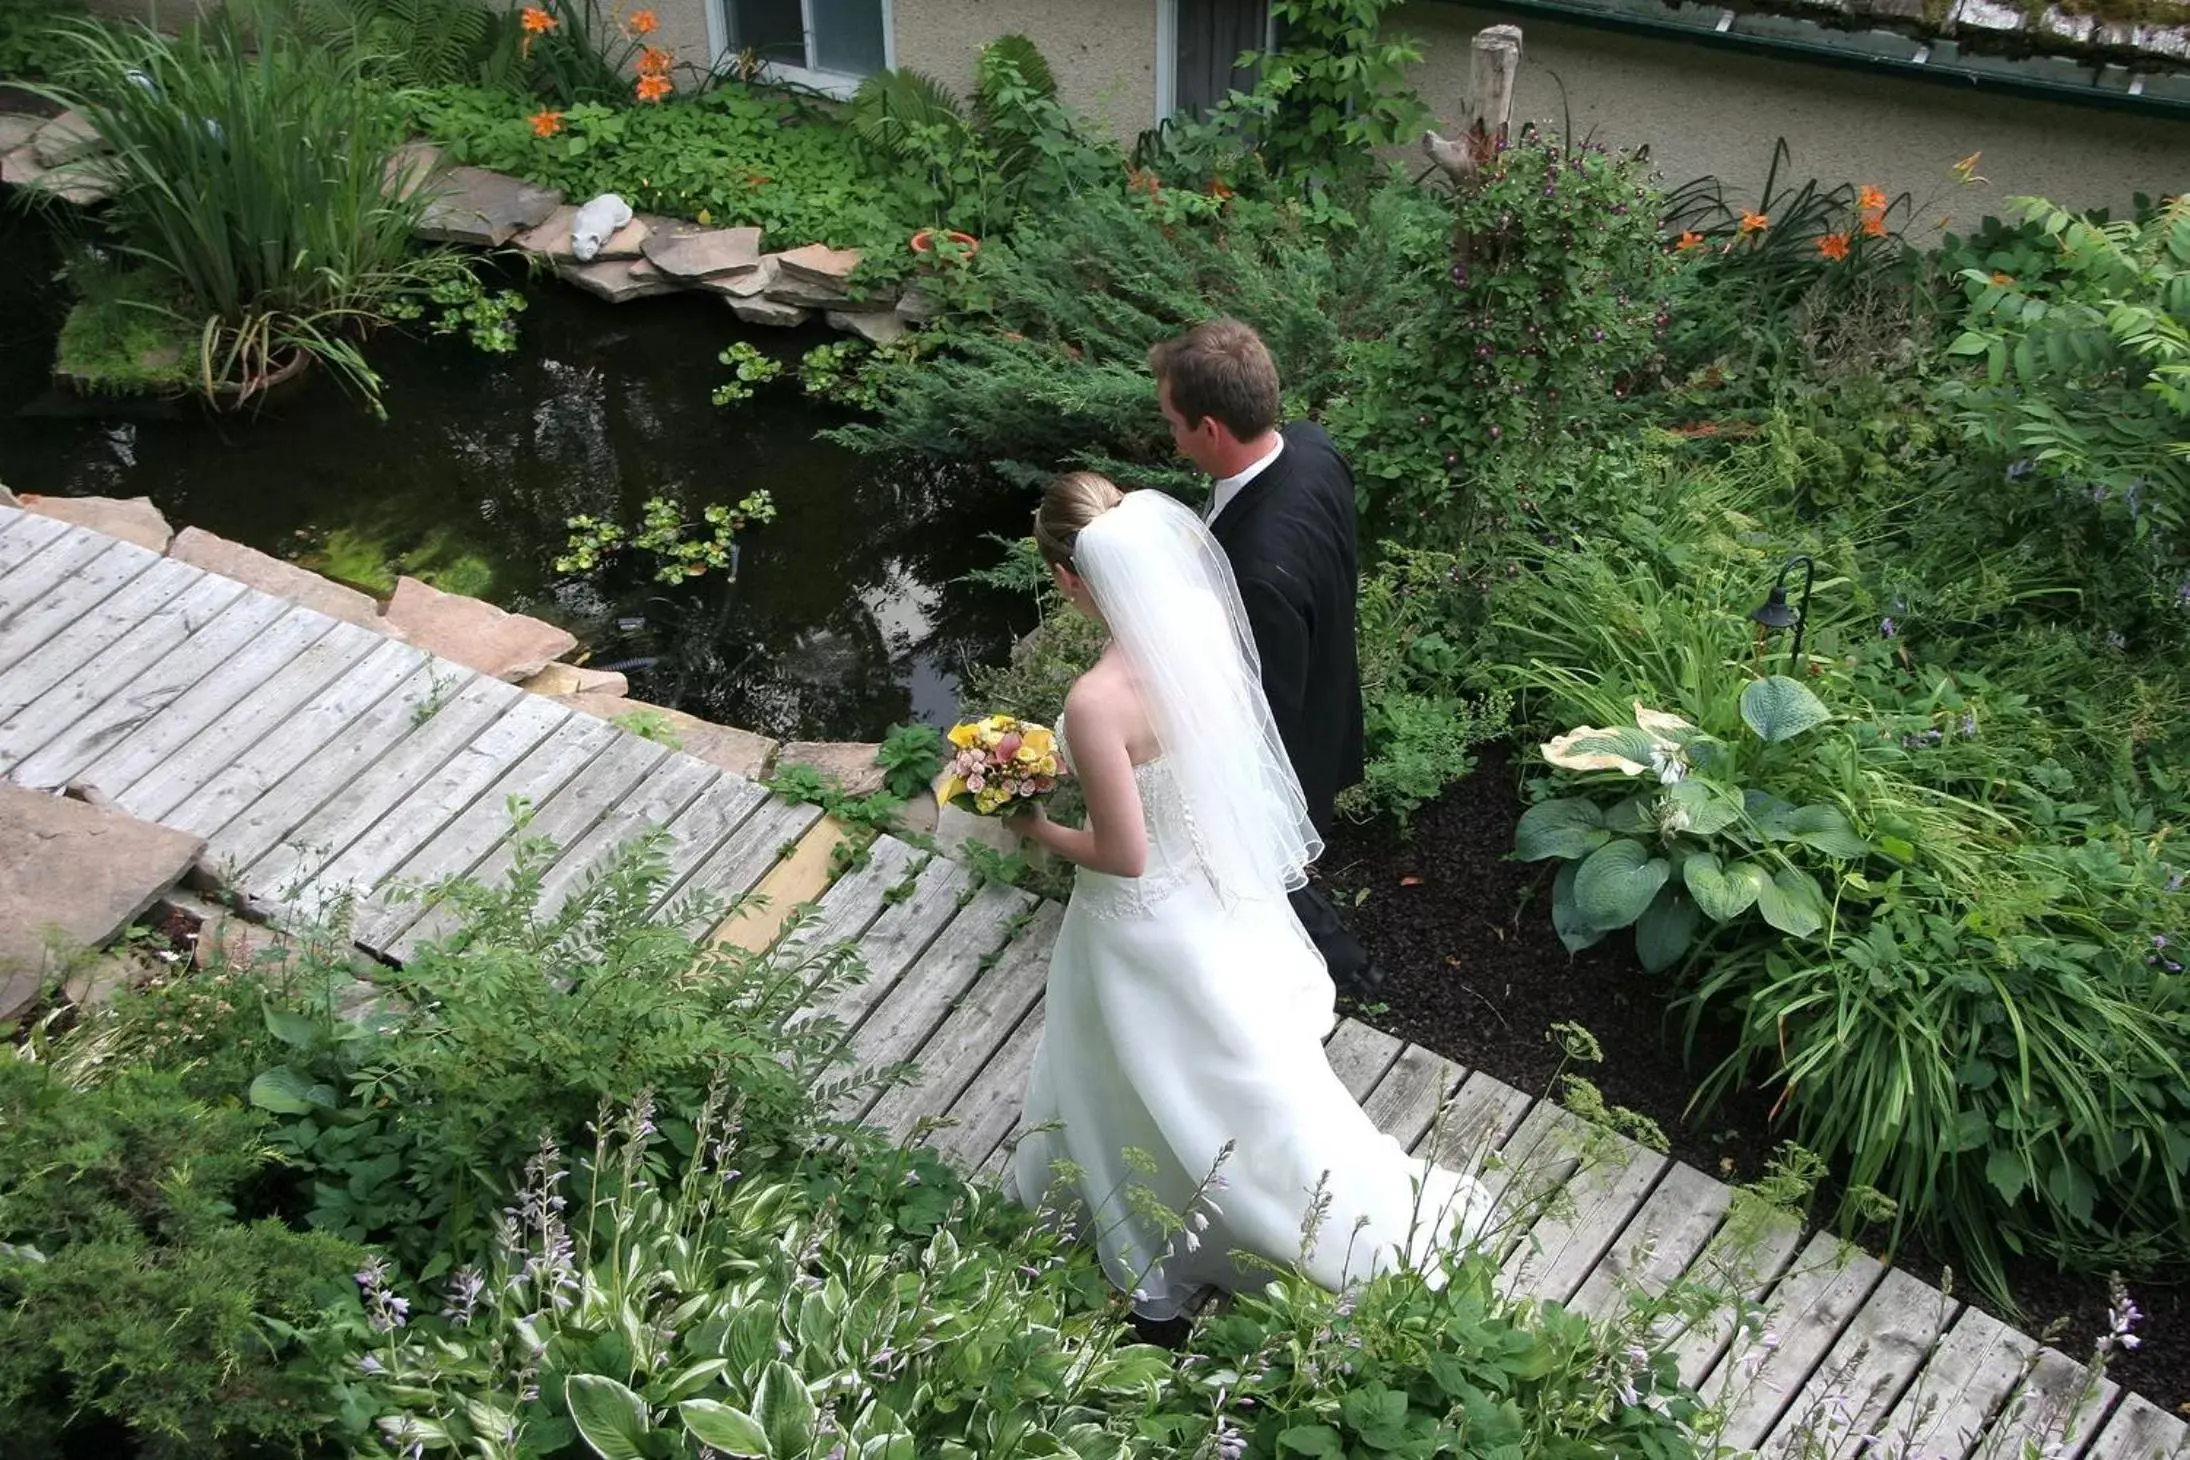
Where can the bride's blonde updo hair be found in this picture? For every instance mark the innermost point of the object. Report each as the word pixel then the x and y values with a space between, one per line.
pixel 1071 503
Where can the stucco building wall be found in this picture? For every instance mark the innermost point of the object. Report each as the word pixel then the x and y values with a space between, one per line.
pixel 1715 112
pixel 1103 51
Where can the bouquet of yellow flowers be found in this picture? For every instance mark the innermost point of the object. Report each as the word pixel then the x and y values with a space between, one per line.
pixel 998 763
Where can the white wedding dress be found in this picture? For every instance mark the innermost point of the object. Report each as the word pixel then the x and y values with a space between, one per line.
pixel 1176 1021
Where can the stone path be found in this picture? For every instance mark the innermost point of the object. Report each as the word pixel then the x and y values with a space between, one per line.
pixel 322 762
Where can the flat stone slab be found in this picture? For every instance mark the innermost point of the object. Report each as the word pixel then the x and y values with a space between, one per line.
pixel 255 569
pixel 485 209
pixel 64 139
pixel 915 307
pixel 740 752
pixel 707 253
pixel 576 679
pixel 132 519
pixel 412 167
pixel 21 168
pixel 749 285
pixel 806 295
pixel 17 128
pixel 847 764
pixel 876 327
pixel 74 877
pixel 763 310
pixel 552 239
pixel 8 498
pixel 819 264
pixel 619 280
pixel 508 646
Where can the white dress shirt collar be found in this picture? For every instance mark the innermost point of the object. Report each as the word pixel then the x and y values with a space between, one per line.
pixel 1220 496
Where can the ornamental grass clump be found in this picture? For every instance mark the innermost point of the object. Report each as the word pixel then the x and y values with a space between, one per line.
pixel 258 188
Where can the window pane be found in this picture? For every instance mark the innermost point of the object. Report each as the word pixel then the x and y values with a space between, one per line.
pixel 774 28
pixel 848 36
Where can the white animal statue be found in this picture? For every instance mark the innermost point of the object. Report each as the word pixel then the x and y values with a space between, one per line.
pixel 596 223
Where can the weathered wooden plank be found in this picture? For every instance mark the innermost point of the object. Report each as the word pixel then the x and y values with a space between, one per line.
pixel 1864 1374
pixel 671 786
pixel 262 712
pixel 97 580
pixel 706 827
pixel 988 1111
pixel 1481 1118
pixel 49 567
pixel 1659 1244
pixel 182 676
pixel 561 820
pixel 901 1021
pixel 1405 1103
pixel 1804 1316
pixel 739 864
pixel 1969 1376
pixel 53 662
pixel 323 805
pixel 1555 1257
pixel 1535 1161
pixel 109 672
pixel 1747 1255
pixel 2058 1409
pixel 298 739
pixel 855 899
pixel 895 939
pixel 954 1055
pixel 24 535
pixel 2139 1430
pixel 1360 1055
pixel 175 723
pixel 453 847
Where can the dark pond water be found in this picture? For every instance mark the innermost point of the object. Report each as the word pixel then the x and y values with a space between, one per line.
pixel 848 613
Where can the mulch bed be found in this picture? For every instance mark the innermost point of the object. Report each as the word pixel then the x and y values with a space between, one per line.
pixel 1474 971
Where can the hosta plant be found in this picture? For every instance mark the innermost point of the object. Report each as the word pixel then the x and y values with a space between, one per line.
pixel 1697 843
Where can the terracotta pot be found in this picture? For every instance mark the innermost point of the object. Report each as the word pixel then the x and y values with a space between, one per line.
pixel 923 242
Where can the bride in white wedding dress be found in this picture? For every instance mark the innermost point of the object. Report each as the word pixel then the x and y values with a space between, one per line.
pixel 1186 1008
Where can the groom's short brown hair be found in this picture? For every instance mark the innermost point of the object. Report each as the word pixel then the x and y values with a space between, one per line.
pixel 1220 369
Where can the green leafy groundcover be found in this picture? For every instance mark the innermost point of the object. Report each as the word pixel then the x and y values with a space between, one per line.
pixel 732 155
pixel 566 1188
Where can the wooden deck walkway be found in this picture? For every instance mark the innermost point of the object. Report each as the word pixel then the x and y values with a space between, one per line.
pixel 325 762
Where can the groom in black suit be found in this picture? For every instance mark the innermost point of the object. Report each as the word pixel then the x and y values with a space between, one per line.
pixel 1283 511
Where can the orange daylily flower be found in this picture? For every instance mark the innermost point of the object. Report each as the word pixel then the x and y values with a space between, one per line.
pixel 643 22
pixel 1966 169
pixel 546 123
pixel 537 21
pixel 1690 239
pixel 654 87
pixel 1833 245
pixel 1874 225
pixel 1754 222
pixel 1871 199
pixel 1218 189
pixel 2003 280
pixel 654 61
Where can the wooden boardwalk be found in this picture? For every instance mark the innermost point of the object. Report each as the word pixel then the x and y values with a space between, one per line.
pixel 327 764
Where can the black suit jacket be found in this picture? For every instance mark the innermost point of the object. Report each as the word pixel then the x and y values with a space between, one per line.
pixel 1290 536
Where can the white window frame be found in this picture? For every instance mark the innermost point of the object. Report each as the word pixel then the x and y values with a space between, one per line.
pixel 831 83
pixel 1167 52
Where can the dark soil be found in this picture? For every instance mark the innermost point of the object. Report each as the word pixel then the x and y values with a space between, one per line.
pixel 1474 971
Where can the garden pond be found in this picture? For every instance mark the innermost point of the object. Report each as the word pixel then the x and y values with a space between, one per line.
pixel 849 613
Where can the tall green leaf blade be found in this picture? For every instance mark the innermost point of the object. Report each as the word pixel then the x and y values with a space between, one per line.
pixel 1568 828
pixel 610 1418
pixel 1779 708
pixel 1616 883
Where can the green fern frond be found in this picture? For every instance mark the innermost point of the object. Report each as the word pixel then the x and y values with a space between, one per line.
pixel 891 106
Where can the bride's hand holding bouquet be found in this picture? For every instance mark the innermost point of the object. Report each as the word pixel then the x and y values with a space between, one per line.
pixel 1000 766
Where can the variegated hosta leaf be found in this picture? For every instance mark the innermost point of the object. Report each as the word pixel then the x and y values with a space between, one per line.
pixel 1590 749
pixel 785 1409
pixel 726 1430
pixel 611 1419
pixel 1659 722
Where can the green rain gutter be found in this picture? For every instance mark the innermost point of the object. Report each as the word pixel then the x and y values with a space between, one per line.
pixel 1993 79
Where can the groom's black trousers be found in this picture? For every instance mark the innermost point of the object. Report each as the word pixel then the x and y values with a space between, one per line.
pixel 1342 952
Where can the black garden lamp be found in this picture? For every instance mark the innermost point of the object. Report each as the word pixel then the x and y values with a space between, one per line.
pixel 1775 612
